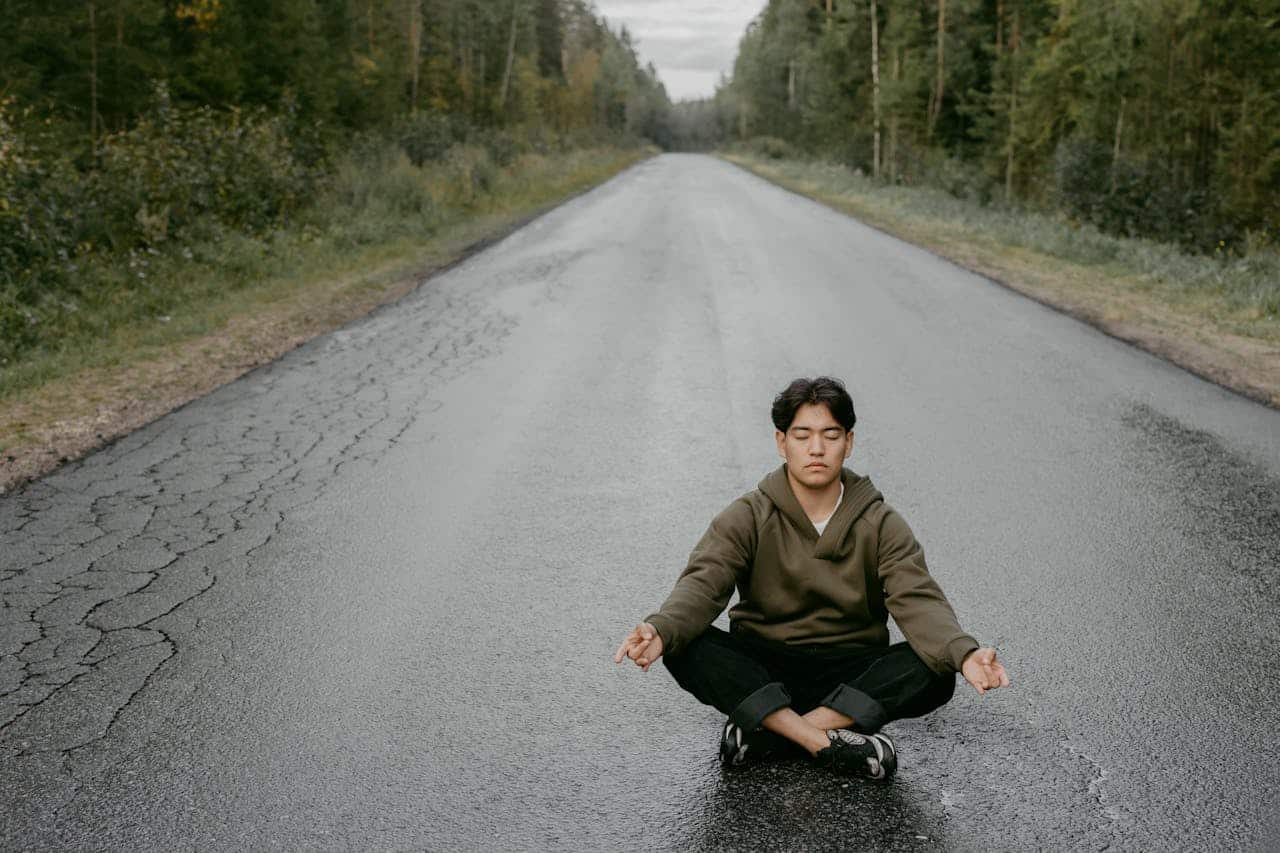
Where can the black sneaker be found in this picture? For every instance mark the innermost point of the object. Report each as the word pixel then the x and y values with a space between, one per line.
pixel 738 747
pixel 734 746
pixel 854 754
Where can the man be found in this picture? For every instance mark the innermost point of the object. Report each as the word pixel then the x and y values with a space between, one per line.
pixel 819 561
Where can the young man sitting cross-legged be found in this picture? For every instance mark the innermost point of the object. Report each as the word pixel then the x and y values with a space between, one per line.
pixel 819 561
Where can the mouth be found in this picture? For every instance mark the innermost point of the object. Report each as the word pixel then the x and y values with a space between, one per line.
pixel 815 465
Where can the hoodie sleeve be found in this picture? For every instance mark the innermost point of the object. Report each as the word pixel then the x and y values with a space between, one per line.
pixel 722 556
pixel 916 601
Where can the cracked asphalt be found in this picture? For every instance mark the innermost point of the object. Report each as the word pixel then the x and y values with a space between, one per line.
pixel 366 596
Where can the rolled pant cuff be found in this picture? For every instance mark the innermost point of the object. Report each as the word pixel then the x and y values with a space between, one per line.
pixel 868 714
pixel 752 710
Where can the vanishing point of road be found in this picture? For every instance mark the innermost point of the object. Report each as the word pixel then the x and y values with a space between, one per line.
pixel 366 596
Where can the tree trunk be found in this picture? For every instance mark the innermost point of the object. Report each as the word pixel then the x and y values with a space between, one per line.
pixel 511 56
pixel 893 119
pixel 1014 39
pixel 93 74
pixel 1238 164
pixel 791 85
pixel 116 62
pixel 828 14
pixel 415 52
pixel 935 99
pixel 875 90
pixel 369 22
pixel 999 29
pixel 1115 153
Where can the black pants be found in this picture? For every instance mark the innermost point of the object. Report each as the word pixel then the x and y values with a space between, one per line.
pixel 749 678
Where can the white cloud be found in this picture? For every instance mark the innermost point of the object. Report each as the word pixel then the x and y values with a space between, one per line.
pixel 690 43
pixel 684 84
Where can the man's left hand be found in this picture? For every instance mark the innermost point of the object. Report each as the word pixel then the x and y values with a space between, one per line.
pixel 981 669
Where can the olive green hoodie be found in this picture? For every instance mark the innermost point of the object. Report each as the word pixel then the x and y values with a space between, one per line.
pixel 795 586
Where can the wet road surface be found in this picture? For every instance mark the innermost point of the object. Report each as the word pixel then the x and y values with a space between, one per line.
pixel 366 597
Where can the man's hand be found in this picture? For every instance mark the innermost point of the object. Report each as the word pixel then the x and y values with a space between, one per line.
pixel 642 645
pixel 981 669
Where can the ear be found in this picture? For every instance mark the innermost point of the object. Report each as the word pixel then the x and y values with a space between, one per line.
pixel 848 448
pixel 781 437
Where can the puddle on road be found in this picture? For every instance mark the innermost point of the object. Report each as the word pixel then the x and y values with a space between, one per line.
pixel 789 805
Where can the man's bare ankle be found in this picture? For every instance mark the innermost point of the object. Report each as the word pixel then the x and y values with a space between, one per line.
pixel 816 741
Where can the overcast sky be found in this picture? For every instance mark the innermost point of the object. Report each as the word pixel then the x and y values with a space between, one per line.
pixel 691 42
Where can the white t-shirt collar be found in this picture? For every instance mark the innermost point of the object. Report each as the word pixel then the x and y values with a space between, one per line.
pixel 822 525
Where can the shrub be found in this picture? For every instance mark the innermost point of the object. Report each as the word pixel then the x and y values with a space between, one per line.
pixel 1132 198
pixel 38 205
pixel 383 181
pixel 469 172
pixel 773 148
pixel 954 176
pixel 39 213
pixel 176 166
pixel 425 137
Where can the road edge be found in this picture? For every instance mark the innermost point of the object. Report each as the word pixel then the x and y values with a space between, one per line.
pixel 1151 341
pixel 42 460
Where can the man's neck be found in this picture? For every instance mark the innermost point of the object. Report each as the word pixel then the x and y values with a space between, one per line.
pixel 818 504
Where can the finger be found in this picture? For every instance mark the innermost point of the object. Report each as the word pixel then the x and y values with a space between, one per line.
pixel 620 653
pixel 637 650
pixel 987 656
pixel 629 648
pixel 645 631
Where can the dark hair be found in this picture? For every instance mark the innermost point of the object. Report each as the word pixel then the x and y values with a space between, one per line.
pixel 823 389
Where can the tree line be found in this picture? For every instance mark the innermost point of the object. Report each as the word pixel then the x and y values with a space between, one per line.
pixel 1157 118
pixel 91 67
pixel 139 131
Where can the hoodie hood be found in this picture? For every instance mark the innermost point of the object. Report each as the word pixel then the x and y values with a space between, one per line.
pixel 859 495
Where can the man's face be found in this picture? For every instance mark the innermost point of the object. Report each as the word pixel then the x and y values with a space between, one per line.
pixel 814 446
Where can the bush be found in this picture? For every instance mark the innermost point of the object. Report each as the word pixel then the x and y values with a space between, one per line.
pixel 39 216
pixel 773 148
pixel 502 146
pixel 176 166
pixel 425 137
pixel 469 172
pixel 953 176
pixel 382 180
pixel 38 205
pixel 1133 198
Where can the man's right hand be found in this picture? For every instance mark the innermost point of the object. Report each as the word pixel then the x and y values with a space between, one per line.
pixel 643 645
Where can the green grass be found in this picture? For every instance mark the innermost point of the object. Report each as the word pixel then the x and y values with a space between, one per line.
pixel 378 222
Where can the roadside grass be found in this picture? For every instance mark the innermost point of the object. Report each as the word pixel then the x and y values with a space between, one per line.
pixel 1138 289
pixel 170 324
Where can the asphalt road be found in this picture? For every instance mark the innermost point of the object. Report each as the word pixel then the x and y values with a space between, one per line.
pixel 367 596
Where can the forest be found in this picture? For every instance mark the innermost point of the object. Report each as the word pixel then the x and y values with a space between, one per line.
pixel 132 130
pixel 1151 118
pixel 136 134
